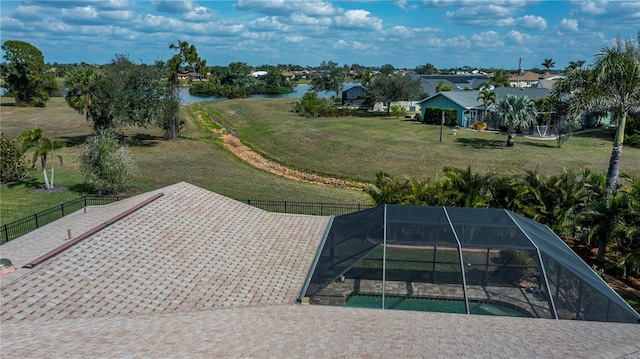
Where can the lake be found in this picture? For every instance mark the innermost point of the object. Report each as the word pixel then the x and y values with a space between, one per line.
pixel 298 92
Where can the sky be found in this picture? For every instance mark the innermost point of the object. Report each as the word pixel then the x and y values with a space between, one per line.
pixel 405 34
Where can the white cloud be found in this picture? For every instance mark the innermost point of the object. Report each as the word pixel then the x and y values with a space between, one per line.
pixel 358 19
pixel 532 22
pixel 269 23
pixel 173 6
pixel 520 37
pixel 302 19
pixel 488 39
pixel 353 45
pixel 294 39
pixel 287 7
pixel 201 13
pixel 568 25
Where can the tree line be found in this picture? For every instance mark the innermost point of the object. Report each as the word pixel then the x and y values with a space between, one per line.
pixel 570 204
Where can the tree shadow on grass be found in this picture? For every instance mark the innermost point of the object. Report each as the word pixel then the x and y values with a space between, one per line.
pixel 143 140
pixel 597 134
pixel 480 143
pixel 542 144
pixel 72 141
pixel 82 189
pixel 30 183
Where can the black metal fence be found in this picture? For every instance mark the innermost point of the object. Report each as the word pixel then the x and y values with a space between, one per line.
pixel 25 225
pixel 314 208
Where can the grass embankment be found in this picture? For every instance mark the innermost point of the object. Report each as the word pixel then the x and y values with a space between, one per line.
pixel 198 158
pixel 356 148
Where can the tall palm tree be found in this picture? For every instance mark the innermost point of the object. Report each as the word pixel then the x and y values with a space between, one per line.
pixel 82 87
pixel 42 148
pixel 488 98
pixel 548 63
pixel 186 55
pixel 612 86
pixel 515 113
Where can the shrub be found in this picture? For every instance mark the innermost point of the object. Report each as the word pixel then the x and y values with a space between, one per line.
pixel 433 116
pixel 13 166
pixel 398 111
pixel 633 141
pixel 516 266
pixel 106 164
pixel 479 125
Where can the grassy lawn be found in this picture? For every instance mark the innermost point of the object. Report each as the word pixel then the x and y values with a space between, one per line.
pixel 197 158
pixel 352 148
pixel 357 147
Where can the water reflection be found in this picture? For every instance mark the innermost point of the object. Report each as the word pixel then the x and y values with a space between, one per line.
pixel 298 92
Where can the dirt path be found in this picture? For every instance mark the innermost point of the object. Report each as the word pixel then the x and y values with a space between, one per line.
pixel 235 146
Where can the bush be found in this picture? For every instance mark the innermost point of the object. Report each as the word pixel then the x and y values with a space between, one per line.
pixel 480 126
pixel 13 166
pixel 398 111
pixel 106 164
pixel 433 116
pixel 633 141
pixel 516 266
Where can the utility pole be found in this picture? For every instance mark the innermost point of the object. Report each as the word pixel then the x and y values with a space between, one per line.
pixel 441 125
pixel 519 71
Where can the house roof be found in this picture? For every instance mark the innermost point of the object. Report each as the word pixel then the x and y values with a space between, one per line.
pixel 526 76
pixel 429 83
pixel 196 274
pixel 464 99
pixel 532 93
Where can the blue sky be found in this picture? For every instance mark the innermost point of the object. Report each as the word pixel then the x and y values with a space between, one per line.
pixel 445 33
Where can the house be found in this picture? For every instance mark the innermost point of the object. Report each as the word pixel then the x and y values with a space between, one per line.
pixel 354 96
pixel 459 82
pixel 256 74
pixel 467 105
pixel 549 82
pixel 464 102
pixel 185 272
pixel 526 79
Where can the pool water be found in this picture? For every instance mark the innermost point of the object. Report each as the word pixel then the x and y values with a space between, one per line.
pixel 431 305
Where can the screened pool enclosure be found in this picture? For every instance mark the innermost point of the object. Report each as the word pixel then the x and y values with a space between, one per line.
pixel 460 260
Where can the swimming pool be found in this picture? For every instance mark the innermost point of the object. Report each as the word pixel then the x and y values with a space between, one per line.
pixel 433 305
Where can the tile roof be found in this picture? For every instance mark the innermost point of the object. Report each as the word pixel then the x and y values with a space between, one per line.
pixel 195 274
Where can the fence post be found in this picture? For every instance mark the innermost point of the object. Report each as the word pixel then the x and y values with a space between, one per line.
pixel 85 200
pixel 62 209
pixel 35 215
pixel 285 207
pixel 249 201
pixel 6 233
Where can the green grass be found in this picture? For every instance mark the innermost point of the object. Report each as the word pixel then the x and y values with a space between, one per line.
pixel 197 158
pixel 357 147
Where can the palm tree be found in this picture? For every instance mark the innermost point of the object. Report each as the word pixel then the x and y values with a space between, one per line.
pixel 499 78
pixel 515 113
pixel 82 85
pixel 612 86
pixel 187 54
pixel 548 63
pixel 463 188
pixel 488 98
pixel 42 148
pixel 575 65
